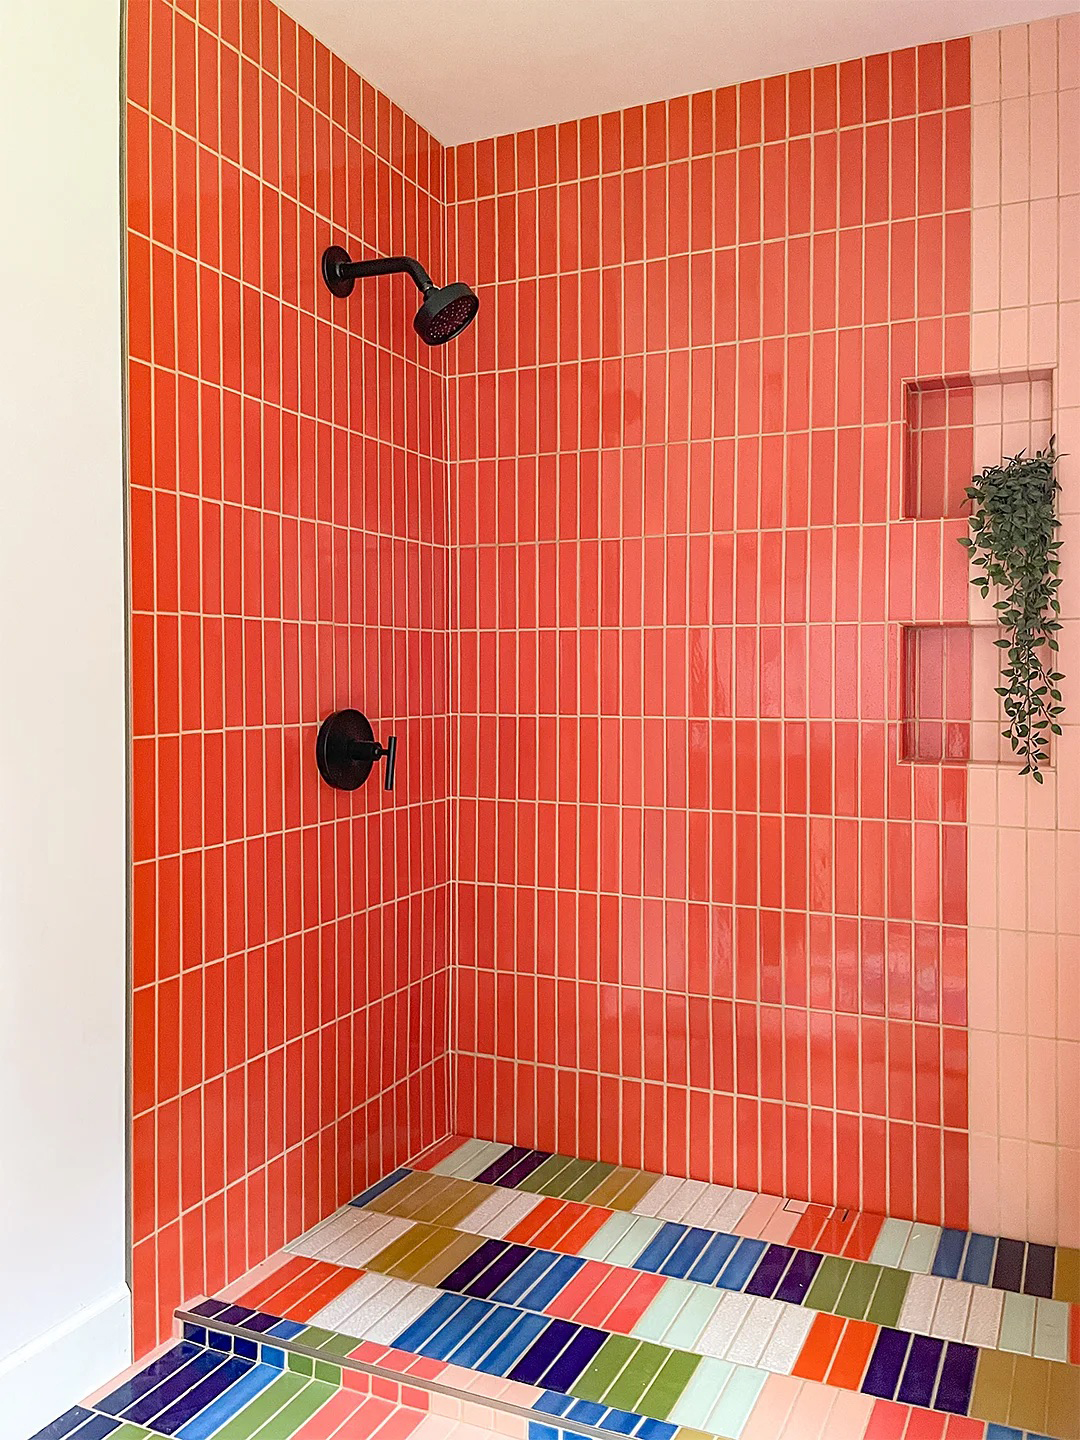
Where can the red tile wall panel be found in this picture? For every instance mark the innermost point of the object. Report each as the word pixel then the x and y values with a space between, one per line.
pixel 288 538
pixel 707 921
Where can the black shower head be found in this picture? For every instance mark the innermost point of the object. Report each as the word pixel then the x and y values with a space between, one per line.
pixel 446 311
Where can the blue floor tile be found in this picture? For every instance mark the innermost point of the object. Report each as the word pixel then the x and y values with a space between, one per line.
pixel 202 1395
pixel 146 1380
pixel 203 1426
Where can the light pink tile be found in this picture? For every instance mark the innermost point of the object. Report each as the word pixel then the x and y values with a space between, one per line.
pixel 1015 263
pixel 1012 1086
pixel 1042 56
pixel 1015 141
pixel 1043 123
pixel 986 155
pixel 772 1408
pixel 1012 982
pixel 1067 1056
pixel 849 1416
pixel 1042 1090
pixel 1068 980
pixel 1041 983
pixel 1069 51
pixel 1040 1176
pixel 810 1413
pixel 1069 147
pixel 985 67
pixel 1068 1183
pixel 1012 863
pixel 1014 61
pixel 982 1082
pixel 984 1183
pixel 1013 1160
pixel 985 263
pixel 982 979
pixel 1043 253
pixel 1069 247
pixel 757 1215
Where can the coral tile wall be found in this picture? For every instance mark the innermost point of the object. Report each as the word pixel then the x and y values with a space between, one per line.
pixel 288 557
pixel 707 921
pixel 1024 885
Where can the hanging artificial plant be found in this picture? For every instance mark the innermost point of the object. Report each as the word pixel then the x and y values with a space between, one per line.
pixel 1012 541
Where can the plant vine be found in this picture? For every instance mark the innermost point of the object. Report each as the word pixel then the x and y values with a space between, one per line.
pixel 1013 542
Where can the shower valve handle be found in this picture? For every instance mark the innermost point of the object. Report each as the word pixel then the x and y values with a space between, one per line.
pixel 346 751
pixel 389 753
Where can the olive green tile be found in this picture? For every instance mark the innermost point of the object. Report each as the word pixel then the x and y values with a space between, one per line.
pixel 1063 1404
pixel 458 1248
pixel 315 1337
pixel 586 1183
pixel 567 1178
pixel 992 1391
pixel 633 1192
pixel 632 1382
pixel 398 1249
pixel 419 1258
pixel 1030 1392
pixel 828 1282
pixel 605 1365
pixel 670 1382
pixel 545 1175
pixel 888 1298
pixel 858 1290
pixel 336 1345
pixel 298 1411
pixel 130 1432
pixel 611 1186
pixel 329 1374
pixel 455 1209
pixel 402 1198
pixel 267 1406
pixel 300 1364
pixel 1067 1275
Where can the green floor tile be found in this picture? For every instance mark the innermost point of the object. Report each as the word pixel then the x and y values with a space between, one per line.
pixel 329 1374
pixel 544 1175
pixel 606 1364
pixel 888 1298
pixel 858 1291
pixel 266 1406
pixel 732 1410
pixel 664 1307
pixel 300 1364
pixel 829 1281
pixel 610 1233
pixel 640 1232
pixel 692 1318
pixel 695 1404
pixel 670 1382
pixel 632 1382
pixel 297 1412
pixel 585 1184
pixel 567 1178
pixel 338 1345
pixel 315 1337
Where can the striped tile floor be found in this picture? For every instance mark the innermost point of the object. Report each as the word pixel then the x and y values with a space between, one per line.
pixel 569 1297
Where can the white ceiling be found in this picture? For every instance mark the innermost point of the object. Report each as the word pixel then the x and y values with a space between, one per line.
pixel 466 69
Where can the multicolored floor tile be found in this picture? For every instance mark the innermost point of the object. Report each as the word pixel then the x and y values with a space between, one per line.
pixel 541 1296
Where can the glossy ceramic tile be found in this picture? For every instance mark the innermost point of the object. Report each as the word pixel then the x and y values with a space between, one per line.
pixel 288 557
pixel 709 921
pixel 688 1330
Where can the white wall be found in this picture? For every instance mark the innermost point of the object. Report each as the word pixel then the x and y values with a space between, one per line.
pixel 64 1305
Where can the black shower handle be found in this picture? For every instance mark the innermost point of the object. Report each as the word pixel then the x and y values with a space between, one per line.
pixel 346 751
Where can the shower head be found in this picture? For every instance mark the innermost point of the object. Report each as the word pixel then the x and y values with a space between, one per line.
pixel 446 311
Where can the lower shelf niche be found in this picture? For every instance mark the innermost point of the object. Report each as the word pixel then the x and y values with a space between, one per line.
pixel 935 694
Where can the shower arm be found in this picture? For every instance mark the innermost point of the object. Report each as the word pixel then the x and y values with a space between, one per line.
pixel 342 271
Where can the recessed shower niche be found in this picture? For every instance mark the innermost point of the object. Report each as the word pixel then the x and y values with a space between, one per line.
pixel 956 424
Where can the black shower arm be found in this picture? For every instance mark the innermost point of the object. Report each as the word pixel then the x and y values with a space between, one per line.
pixel 385 265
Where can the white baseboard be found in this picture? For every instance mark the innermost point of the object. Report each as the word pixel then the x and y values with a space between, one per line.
pixel 43 1379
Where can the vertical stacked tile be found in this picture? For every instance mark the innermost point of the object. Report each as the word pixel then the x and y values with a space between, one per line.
pixel 707 920
pixel 1024 975
pixel 288 531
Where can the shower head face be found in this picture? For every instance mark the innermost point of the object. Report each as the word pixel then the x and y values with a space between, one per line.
pixel 445 313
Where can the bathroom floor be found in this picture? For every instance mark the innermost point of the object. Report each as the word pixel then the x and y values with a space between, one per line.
pixel 489 1289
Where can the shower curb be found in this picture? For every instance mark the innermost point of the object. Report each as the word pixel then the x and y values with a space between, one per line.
pixel 407 1380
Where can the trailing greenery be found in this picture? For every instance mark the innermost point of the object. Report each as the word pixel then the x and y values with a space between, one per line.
pixel 1013 542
